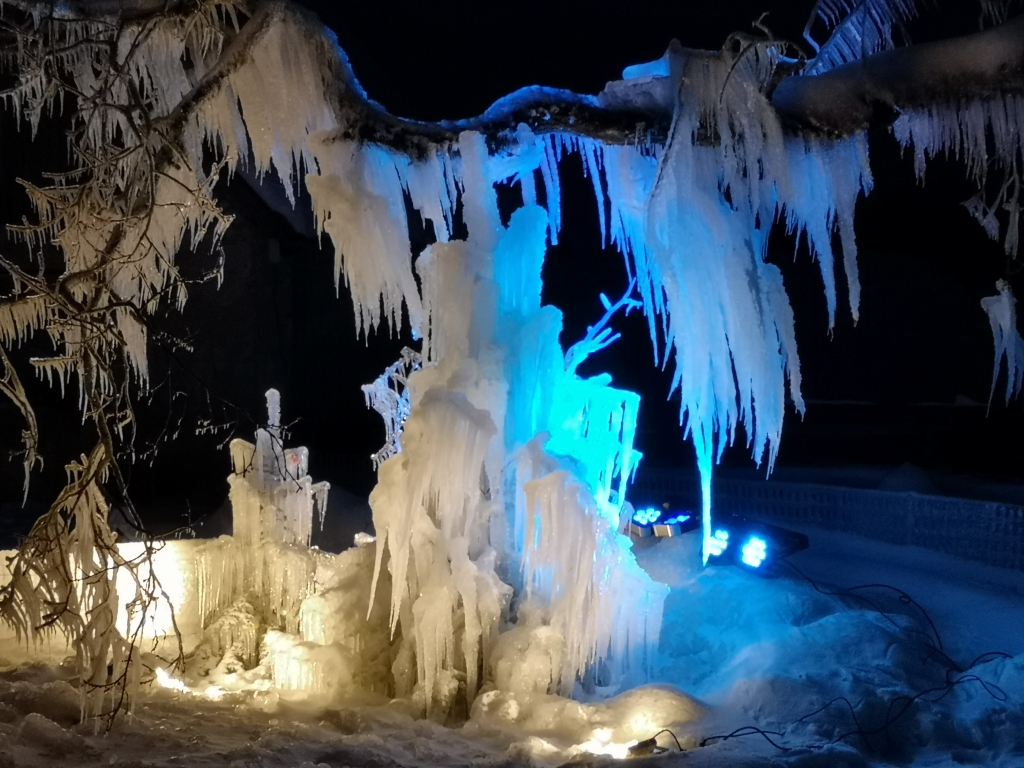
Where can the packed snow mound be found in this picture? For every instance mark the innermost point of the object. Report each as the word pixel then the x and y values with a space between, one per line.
pixel 778 655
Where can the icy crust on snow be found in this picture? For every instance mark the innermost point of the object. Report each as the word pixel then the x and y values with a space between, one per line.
pixel 560 728
pixel 755 651
pixel 768 652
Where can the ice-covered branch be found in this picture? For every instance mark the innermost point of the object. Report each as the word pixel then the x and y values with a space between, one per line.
pixel 600 335
pixel 841 101
pixel 93 9
pixel 853 96
pixel 388 395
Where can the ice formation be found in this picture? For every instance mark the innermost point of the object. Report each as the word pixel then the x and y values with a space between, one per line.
pixel 499 559
pixel 388 395
pixel 1002 316
pixel 274 506
pixel 986 135
pixel 451 508
pixel 272 495
pixel 510 465
pixel 859 29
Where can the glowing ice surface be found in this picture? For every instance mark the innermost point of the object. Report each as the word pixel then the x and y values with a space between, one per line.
pixel 272 496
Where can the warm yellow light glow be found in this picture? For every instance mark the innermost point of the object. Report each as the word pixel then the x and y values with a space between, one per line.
pixel 620 751
pixel 642 725
pixel 170 570
pixel 164 680
pixel 600 743
pixel 214 692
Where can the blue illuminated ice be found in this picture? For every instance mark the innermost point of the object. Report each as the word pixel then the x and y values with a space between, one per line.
pixel 506 455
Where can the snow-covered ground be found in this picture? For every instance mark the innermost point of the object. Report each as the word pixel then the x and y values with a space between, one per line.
pixel 751 651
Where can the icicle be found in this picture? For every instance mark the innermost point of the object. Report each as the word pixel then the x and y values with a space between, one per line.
pixel 987 137
pixel 20 318
pixel 1002 316
pixel 358 199
pixel 862 27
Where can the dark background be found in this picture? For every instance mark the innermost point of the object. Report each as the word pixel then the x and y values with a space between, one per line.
pixel 908 384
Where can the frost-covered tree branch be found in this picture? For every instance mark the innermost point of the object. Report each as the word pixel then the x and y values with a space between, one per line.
pixel 837 102
pixel 876 88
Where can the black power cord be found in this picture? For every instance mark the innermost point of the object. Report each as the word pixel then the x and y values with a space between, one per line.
pixel 955 675
pixel 650 746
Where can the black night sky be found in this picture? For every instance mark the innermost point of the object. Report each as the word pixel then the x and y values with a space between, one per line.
pixel 908 384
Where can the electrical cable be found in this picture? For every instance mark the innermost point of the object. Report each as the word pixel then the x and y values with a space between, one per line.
pixel 955 675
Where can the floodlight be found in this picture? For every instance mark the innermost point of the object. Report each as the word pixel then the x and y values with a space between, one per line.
pixel 662 520
pixel 719 543
pixel 751 545
pixel 754 552
pixel 675 525
pixel 641 524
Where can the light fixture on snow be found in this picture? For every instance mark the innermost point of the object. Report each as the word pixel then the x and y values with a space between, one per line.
pixel 641 525
pixel 751 545
pixel 754 552
pixel 719 543
pixel 661 521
